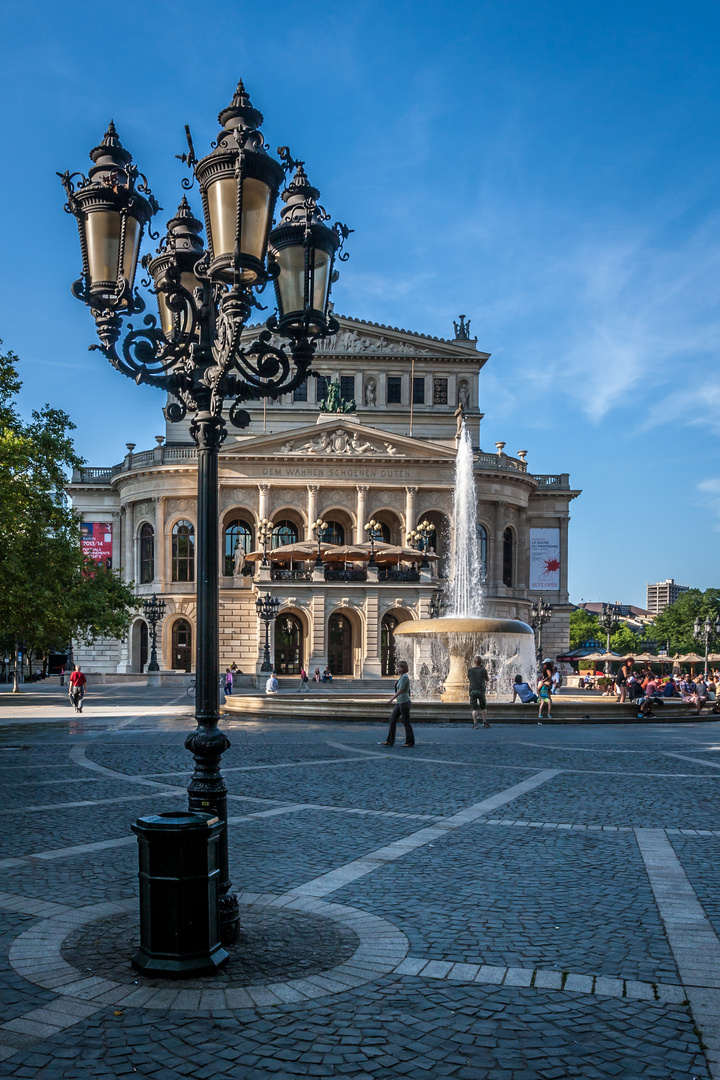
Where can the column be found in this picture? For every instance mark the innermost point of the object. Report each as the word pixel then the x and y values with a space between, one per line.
pixel 318 644
pixel 372 666
pixel 312 493
pixel 523 551
pixel 160 545
pixel 410 522
pixel 360 514
pixel 263 501
pixel 129 556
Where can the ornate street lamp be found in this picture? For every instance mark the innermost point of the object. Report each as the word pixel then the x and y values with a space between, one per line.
pixel 265 531
pixel 420 538
pixel 540 612
pixel 319 527
pixel 154 612
pixel 196 354
pixel 267 609
pixel 705 631
pixel 372 528
pixel 608 620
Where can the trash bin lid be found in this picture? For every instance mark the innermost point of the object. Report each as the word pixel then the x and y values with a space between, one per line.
pixel 176 820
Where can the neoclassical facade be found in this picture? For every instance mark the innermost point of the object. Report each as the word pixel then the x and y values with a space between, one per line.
pixel 391 460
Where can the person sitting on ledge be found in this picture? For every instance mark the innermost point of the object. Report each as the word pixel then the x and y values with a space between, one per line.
pixel 327 675
pixel 272 685
pixel 523 691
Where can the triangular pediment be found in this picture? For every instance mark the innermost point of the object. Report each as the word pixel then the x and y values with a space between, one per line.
pixel 359 338
pixel 337 436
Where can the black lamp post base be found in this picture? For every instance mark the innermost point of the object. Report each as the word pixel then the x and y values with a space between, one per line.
pixel 165 967
pixel 229 919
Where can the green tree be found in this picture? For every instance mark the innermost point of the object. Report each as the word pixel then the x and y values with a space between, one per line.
pixel 584 629
pixel 50 592
pixel 623 641
pixel 675 623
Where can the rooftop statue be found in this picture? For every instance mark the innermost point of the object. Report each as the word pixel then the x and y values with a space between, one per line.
pixel 334 402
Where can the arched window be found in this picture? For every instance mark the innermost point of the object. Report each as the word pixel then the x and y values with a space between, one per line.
pixel 284 532
pixel 181 645
pixel 334 534
pixel 183 551
pixel 147 553
pixel 382 533
pixel 482 549
pixel 238 534
pixel 508 558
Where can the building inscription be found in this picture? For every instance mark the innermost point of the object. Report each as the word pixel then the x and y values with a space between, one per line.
pixel 353 472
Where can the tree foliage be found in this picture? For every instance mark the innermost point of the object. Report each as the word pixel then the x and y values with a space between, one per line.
pixel 675 623
pixel 624 642
pixel 585 629
pixel 50 592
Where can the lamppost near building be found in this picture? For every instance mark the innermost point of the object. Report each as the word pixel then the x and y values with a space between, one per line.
pixel 154 612
pixel 705 631
pixel 372 528
pixel 319 527
pixel 420 538
pixel 540 612
pixel 267 609
pixel 608 620
pixel 265 531
pixel 196 354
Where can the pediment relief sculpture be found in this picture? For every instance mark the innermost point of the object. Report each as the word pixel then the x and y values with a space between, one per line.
pixel 338 441
pixel 351 341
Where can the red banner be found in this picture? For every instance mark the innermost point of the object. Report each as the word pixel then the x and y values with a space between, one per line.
pixel 96 542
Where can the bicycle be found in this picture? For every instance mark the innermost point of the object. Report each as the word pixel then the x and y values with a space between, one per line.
pixel 191 687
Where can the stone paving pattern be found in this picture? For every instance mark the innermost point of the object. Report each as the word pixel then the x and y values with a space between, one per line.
pixel 534 946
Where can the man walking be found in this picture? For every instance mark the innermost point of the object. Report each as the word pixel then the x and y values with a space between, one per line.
pixel 78 682
pixel 478 679
pixel 401 712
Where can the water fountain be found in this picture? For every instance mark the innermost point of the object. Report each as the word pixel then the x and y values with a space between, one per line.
pixel 507 645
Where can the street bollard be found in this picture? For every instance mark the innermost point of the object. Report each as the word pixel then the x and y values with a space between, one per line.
pixel 179 887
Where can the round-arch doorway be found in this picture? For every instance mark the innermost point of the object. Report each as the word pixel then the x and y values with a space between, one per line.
pixel 388 657
pixel 340 644
pixel 181 645
pixel 288 645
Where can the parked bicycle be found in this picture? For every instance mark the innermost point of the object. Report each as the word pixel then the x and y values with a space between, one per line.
pixel 191 687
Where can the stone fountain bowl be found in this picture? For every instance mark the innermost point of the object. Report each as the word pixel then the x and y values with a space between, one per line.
pixel 465 637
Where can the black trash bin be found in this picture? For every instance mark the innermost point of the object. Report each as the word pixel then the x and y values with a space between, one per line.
pixel 179 886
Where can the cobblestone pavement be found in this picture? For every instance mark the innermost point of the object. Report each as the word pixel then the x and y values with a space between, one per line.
pixel 512 904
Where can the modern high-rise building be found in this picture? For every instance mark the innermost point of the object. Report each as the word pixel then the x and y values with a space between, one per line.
pixel 662 593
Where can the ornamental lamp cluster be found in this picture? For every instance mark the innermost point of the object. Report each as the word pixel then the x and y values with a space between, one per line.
pixel 318 527
pixel 420 538
pixel 205 293
pixel 265 531
pixel 372 528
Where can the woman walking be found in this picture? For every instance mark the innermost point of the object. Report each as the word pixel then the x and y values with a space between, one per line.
pixel 401 712
pixel 621 679
pixel 303 682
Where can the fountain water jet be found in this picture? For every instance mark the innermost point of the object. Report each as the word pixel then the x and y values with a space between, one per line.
pixel 506 644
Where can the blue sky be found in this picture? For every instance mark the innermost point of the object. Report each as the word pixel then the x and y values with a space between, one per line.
pixel 548 168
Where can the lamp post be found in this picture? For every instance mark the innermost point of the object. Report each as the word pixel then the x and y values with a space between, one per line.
pixel 420 538
pixel 319 527
pixel 154 611
pixel 540 612
pixel 372 528
pixel 267 609
pixel 704 632
pixel 205 297
pixel 265 531
pixel 609 621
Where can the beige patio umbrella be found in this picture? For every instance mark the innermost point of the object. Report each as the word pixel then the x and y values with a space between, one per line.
pixel 301 551
pixel 345 553
pixel 691 658
pixel 647 658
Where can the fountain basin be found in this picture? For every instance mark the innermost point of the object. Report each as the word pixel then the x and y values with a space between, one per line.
pixel 500 641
